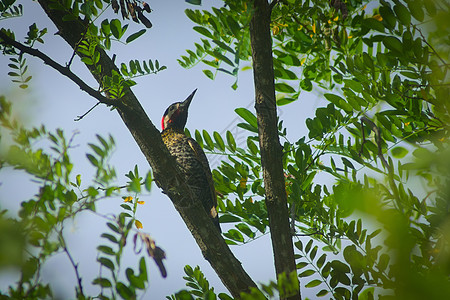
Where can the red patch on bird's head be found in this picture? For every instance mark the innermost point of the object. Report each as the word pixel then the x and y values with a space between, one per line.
pixel 169 117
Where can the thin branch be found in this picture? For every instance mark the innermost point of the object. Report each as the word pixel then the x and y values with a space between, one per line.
pixel 377 132
pixel 75 265
pixel 78 118
pixel 431 47
pixel 61 69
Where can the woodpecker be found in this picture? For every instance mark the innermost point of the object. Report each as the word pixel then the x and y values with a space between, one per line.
pixel 189 156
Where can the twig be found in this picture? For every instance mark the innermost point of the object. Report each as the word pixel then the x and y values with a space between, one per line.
pixel 376 130
pixel 390 169
pixel 363 138
pixel 75 265
pixel 309 234
pixel 431 47
pixel 78 118
pixel 61 69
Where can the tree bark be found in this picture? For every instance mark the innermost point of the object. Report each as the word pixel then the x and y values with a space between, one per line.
pixel 166 171
pixel 269 142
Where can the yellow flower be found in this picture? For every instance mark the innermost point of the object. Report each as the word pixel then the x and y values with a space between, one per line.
pixel 138 224
pixel 314 27
pixel 378 17
pixel 128 199
pixel 335 19
pixel 275 30
pixel 141 202
pixel 407 123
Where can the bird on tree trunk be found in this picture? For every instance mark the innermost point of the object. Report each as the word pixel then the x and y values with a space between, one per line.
pixel 189 156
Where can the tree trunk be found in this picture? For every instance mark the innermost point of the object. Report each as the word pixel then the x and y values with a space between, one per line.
pixel 271 150
pixel 166 171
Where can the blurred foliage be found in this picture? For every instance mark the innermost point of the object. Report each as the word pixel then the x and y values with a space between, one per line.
pixel 38 232
pixel 383 137
pixel 381 229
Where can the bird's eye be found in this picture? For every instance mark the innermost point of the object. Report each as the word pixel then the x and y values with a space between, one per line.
pixel 172 107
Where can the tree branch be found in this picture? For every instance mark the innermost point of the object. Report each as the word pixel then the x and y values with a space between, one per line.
pixel 61 69
pixel 269 141
pixel 165 169
pixel 74 264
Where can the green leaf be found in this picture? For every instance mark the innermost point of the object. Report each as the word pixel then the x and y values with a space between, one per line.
pixel 143 269
pixel 109 237
pixel 93 160
pixel 347 163
pixel 402 13
pixel 373 24
pixel 284 88
pixel 247 116
pixel 306 85
pixel 106 262
pixel 247 127
pixel 124 291
pixel 219 141
pixel 106 250
pixel 208 140
pixel 194 2
pixel 234 235
pixel 134 281
pixel 135 35
pixel 383 262
pixel 307 273
pixel 116 28
pixel 393 43
pixel 313 283
pixel 284 101
pixel 203 31
pixel 245 229
pixel 339 102
pixel 234 26
pixel 230 141
pixel 388 16
pixel 209 74
pixel 221 57
pixel 301 265
pixel 354 85
pixel 223 46
pixel 229 219
pixel 399 152
pixel 223 296
pixel 103 282
pixel 321 260
pixel 308 246
pixel 87 60
pixel 367 294
pixel 416 9
pixel 340 266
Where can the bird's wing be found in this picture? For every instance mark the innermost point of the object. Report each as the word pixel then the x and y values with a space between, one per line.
pixel 201 156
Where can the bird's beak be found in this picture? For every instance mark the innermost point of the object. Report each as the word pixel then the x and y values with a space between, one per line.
pixel 188 100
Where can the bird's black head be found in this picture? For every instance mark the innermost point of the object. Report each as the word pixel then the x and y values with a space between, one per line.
pixel 176 114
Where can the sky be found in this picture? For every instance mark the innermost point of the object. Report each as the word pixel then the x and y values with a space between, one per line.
pixel 55 101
